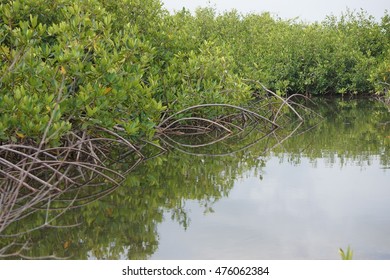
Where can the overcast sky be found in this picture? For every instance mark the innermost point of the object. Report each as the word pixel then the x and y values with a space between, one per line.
pixel 307 10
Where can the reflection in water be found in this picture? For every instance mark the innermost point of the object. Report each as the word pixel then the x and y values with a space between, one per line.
pixel 318 191
pixel 315 192
pixel 294 212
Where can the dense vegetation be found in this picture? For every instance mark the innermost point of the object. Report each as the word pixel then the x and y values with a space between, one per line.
pixel 78 65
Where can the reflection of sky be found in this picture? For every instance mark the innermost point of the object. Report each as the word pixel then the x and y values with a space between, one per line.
pixel 295 212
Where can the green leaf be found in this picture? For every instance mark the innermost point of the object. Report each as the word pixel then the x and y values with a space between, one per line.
pixel 91 111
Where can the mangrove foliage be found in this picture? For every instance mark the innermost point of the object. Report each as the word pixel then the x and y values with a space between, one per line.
pixel 124 65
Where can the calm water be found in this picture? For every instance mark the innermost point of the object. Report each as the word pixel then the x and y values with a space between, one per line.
pixel 300 198
pixel 317 192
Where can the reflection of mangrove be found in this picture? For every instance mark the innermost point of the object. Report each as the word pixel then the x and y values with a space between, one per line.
pixel 52 181
pixel 39 185
pixel 385 99
pixel 354 130
pixel 199 136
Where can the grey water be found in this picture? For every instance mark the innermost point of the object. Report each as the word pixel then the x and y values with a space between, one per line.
pixel 325 190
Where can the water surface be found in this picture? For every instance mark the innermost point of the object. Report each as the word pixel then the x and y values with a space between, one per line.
pixel 326 189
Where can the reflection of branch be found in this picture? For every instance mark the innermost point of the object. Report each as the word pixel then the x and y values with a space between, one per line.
pixel 46 224
pixel 198 119
pixel 280 141
pixel 42 180
pixel 213 141
pixel 214 154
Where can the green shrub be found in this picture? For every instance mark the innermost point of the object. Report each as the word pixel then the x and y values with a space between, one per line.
pixel 204 76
